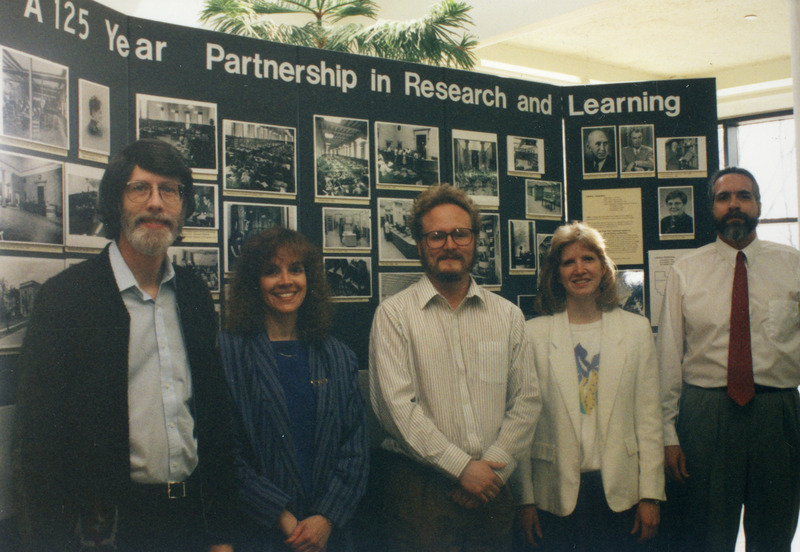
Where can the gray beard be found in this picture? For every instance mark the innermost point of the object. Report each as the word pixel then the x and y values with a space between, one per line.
pixel 149 242
pixel 736 232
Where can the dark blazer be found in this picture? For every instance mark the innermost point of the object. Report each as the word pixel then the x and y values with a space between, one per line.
pixel 682 224
pixel 71 442
pixel 609 166
pixel 267 469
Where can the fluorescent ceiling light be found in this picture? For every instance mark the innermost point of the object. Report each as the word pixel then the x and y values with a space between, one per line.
pixel 755 87
pixel 539 73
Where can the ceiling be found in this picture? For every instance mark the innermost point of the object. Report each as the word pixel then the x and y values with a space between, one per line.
pixel 591 41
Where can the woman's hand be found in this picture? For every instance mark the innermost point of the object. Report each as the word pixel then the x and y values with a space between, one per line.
pixel 648 516
pixel 287 522
pixel 528 523
pixel 310 535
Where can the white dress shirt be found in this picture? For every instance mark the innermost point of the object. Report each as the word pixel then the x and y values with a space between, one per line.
pixel 163 446
pixel 694 326
pixel 450 386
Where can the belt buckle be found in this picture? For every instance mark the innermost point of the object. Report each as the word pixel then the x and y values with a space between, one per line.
pixel 176 490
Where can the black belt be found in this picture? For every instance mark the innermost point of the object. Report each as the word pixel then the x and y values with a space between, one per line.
pixel 758 388
pixel 189 488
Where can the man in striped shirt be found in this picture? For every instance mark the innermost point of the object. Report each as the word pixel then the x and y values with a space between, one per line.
pixel 452 382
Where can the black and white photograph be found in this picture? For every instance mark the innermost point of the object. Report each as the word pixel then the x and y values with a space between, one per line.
pixel 35 105
pixel 243 220
pixel 527 304
pixel 84 229
pixel 407 155
pixel 543 242
pixel 205 214
pixel 630 289
pixel 395 244
pixel 525 156
pixel 31 200
pixel 681 157
pixel 341 160
pixel 475 166
pixel 544 199
pixel 203 261
pixel 259 159
pixel 20 280
pixel 522 246
pixel 599 152
pixel 390 283
pixel 487 269
pixel 676 212
pixel 346 229
pixel 188 125
pixel 637 154
pixel 349 278
pixel 93 117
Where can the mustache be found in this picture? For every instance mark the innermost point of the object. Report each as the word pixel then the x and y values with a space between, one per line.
pixel 141 219
pixel 445 256
pixel 736 215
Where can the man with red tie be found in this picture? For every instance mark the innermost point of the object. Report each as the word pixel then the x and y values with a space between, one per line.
pixel 729 351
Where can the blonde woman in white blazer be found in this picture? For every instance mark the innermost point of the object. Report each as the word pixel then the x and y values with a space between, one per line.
pixel 594 479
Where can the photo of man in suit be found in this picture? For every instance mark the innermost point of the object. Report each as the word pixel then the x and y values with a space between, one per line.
pixel 599 155
pixel 637 156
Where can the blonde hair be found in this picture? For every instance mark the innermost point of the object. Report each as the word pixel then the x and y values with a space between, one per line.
pixel 552 297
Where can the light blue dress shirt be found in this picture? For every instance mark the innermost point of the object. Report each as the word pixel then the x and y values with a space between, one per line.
pixel 163 446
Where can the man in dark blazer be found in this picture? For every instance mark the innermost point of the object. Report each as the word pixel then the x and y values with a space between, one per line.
pixel 123 432
pixel 599 156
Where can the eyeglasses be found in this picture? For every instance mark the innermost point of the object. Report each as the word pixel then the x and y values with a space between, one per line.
pixel 139 192
pixel 437 238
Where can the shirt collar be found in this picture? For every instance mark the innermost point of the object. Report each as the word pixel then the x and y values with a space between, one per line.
pixel 728 253
pixel 122 273
pixel 426 292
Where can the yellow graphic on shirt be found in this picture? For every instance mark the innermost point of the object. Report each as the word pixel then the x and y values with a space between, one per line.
pixel 587 378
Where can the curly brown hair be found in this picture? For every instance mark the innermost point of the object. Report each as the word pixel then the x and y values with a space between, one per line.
pixel 552 297
pixel 245 310
pixel 438 195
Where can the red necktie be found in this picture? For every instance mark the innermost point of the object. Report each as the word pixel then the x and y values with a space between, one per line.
pixel 740 358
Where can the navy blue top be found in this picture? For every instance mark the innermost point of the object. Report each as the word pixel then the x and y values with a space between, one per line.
pixel 301 402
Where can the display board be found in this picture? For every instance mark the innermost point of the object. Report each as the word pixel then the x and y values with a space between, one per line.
pixel 334 145
pixel 639 156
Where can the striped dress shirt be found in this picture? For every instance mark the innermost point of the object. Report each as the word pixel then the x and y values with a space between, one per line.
pixel 450 386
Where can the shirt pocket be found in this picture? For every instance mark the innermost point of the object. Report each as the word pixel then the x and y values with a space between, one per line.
pixel 492 362
pixel 783 320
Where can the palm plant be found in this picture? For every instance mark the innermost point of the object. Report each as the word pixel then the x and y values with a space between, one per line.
pixel 438 38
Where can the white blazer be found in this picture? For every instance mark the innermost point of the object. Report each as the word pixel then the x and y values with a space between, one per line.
pixel 630 432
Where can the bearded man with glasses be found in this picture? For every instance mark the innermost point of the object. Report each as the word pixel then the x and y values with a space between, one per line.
pixel 453 385
pixel 123 436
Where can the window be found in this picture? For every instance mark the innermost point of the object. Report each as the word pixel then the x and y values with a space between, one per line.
pixel 766 147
